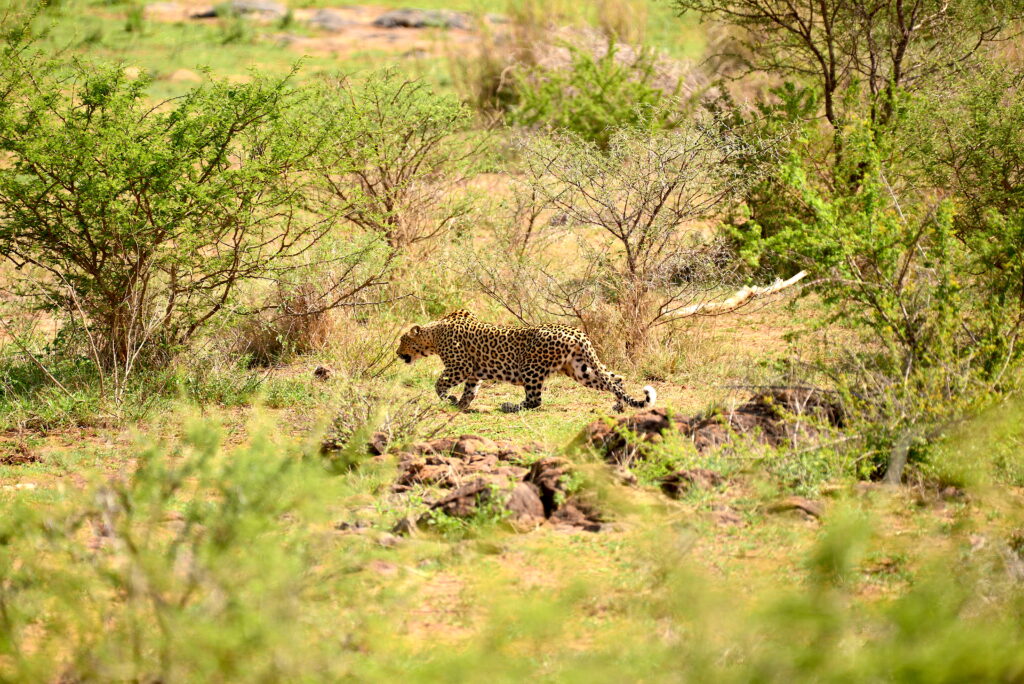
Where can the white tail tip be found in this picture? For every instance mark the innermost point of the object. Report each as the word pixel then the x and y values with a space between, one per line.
pixel 651 394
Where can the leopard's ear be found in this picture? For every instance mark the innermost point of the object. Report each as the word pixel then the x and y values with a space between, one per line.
pixel 415 330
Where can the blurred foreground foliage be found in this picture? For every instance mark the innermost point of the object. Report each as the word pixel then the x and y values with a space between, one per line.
pixel 222 564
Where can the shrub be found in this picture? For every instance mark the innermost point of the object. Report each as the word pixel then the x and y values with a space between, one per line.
pixel 786 114
pixel 967 141
pixel 140 221
pixel 638 194
pixel 941 325
pixel 301 314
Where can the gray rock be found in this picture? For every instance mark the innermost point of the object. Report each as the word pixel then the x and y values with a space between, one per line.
pixel 328 20
pixel 524 502
pixel 417 18
pixel 262 8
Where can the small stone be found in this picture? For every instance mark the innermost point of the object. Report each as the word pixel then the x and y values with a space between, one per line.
pixel 378 444
pixel 389 541
pixel 383 568
pixel 463 502
pixel 798 503
pixel 570 516
pixel 406 527
pixel 469 445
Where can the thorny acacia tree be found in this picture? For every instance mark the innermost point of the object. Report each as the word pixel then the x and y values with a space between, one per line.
pixel 886 45
pixel 392 156
pixel 639 192
pixel 142 221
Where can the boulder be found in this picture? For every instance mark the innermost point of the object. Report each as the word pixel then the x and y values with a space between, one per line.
pixel 263 9
pixel 524 503
pixel 329 20
pixel 418 18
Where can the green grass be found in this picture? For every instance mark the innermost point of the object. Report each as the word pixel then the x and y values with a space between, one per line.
pixel 96 31
pixel 277 590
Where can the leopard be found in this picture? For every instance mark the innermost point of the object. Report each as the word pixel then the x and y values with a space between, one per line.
pixel 473 351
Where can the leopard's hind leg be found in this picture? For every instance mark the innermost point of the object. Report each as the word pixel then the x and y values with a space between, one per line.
pixel 533 383
pixel 468 393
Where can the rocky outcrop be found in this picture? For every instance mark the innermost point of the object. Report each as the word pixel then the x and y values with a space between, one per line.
pixel 775 417
pixel 417 18
pixel 477 472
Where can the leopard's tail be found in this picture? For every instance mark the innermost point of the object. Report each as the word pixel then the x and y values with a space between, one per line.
pixel 650 396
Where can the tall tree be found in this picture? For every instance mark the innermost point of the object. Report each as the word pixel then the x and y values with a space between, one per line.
pixel 884 45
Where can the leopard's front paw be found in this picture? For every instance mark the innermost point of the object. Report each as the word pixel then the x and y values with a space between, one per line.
pixel 452 399
pixel 618 408
pixel 509 407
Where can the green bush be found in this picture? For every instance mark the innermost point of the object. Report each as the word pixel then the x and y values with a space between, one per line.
pixel 140 223
pixel 938 324
pixel 786 116
pixel 968 142
pixel 595 96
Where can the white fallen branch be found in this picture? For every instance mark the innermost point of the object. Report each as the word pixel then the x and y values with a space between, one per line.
pixel 742 296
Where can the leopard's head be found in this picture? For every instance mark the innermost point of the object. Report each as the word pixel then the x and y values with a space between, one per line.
pixel 415 344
